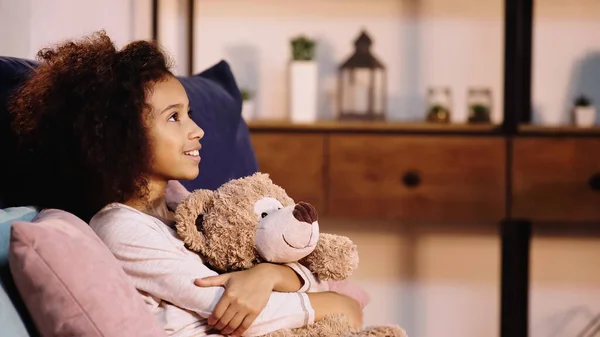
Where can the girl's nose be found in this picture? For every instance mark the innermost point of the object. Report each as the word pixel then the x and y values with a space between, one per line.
pixel 197 132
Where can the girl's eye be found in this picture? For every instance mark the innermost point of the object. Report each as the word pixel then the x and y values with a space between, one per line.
pixel 174 117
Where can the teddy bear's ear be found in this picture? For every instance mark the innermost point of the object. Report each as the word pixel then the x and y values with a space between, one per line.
pixel 189 211
pixel 263 177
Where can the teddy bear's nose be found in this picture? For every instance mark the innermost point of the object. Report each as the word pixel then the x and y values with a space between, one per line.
pixel 305 212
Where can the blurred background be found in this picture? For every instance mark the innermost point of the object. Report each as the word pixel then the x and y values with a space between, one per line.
pixel 432 278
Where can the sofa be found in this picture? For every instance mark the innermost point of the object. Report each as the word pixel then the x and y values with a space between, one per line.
pixel 58 279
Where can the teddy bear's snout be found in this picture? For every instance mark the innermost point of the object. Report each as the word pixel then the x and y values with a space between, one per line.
pixel 305 212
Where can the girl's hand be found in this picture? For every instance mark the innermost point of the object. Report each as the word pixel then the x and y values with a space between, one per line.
pixel 246 294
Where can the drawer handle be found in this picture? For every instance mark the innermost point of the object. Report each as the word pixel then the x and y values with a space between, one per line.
pixel 411 179
pixel 594 182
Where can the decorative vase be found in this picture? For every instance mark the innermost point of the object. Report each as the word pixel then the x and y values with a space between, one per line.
pixel 584 112
pixel 303 91
pixel 248 110
pixel 585 116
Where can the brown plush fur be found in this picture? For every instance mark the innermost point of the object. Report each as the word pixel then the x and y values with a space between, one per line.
pixel 339 264
pixel 230 225
pixel 339 325
pixel 221 226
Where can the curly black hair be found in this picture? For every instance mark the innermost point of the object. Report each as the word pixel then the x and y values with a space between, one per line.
pixel 80 121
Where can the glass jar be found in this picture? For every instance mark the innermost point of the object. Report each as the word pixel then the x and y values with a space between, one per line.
pixel 439 102
pixel 479 105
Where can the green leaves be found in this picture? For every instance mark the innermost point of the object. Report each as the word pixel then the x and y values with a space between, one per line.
pixel 303 48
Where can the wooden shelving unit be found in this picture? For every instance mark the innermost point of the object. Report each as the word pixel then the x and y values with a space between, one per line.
pixel 558 131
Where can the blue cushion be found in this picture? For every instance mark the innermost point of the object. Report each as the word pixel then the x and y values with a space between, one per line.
pixel 245 162
pixel 14 319
pixel 7 217
pixel 11 323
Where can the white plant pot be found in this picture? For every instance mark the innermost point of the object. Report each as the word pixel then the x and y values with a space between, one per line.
pixel 248 111
pixel 585 116
pixel 303 91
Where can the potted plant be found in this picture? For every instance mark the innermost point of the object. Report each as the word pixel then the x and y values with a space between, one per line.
pixel 248 110
pixel 584 113
pixel 303 80
pixel 303 48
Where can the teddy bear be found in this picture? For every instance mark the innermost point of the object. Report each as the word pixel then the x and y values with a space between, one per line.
pixel 250 220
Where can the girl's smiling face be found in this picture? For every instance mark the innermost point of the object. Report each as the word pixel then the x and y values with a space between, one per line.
pixel 174 135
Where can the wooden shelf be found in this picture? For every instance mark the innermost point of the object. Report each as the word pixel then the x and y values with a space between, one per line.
pixel 374 127
pixel 417 128
pixel 559 130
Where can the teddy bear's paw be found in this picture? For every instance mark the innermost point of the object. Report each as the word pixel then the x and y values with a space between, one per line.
pixel 329 326
pixel 380 331
pixel 334 258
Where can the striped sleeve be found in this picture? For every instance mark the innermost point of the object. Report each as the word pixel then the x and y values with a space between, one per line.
pixel 310 281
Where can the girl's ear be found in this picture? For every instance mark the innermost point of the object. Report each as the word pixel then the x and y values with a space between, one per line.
pixel 188 217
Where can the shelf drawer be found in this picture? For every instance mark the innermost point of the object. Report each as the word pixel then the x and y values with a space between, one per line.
pixel 556 179
pixel 294 162
pixel 457 179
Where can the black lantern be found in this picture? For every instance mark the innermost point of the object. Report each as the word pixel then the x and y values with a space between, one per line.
pixel 362 84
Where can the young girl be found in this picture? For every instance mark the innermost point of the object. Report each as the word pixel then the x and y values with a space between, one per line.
pixel 110 128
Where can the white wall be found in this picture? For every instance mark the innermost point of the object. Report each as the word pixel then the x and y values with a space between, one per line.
pixel 26 26
pixel 14 27
pixel 53 21
pixel 566 64
pixel 433 280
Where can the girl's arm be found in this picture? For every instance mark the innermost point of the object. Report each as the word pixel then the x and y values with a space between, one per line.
pixel 290 277
pixel 257 283
pixel 310 282
pixel 286 278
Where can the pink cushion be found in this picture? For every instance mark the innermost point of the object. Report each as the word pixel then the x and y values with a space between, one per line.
pixel 71 283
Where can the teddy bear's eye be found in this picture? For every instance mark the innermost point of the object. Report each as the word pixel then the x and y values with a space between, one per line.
pixel 263 215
